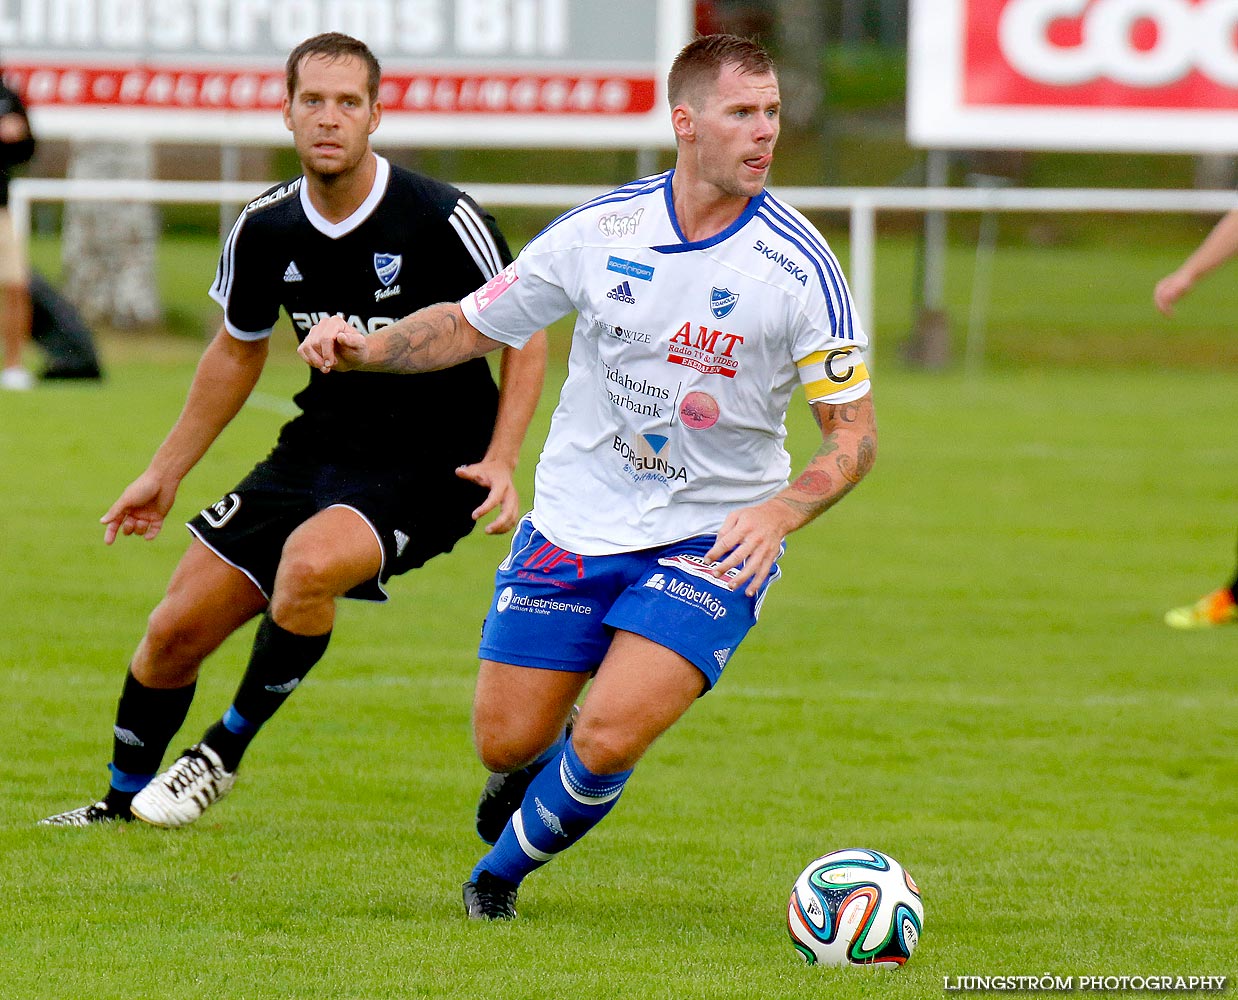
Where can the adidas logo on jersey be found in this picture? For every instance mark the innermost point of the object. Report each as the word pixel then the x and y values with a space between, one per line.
pixel 401 543
pixel 291 273
pixel 622 292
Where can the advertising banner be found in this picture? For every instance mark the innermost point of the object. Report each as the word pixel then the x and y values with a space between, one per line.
pixel 1150 75
pixel 455 72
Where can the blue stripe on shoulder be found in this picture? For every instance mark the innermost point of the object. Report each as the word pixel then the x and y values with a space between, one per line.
pixel 625 192
pixel 833 288
pixel 814 240
pixel 784 212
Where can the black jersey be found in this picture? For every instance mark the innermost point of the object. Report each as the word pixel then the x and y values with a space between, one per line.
pixel 12 154
pixel 412 243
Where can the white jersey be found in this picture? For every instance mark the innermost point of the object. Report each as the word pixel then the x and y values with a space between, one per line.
pixel 683 360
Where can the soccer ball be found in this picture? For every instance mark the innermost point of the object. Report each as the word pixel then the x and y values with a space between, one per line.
pixel 855 907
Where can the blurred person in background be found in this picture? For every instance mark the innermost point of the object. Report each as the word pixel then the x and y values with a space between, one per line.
pixel 16 148
pixel 1219 607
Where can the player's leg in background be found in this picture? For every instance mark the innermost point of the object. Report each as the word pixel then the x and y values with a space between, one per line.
pixel 1233 583
pixel 324 558
pixel 15 323
pixel 206 601
pixel 14 306
pixel 641 690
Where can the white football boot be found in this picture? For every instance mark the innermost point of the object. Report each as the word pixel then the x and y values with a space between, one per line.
pixel 96 812
pixel 185 790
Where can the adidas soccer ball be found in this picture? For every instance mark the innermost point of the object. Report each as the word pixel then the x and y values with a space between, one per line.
pixel 855 907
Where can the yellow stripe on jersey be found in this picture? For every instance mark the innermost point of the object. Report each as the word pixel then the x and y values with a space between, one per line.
pixel 826 373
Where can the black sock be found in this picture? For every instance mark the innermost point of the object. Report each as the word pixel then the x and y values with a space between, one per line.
pixel 118 801
pixel 278 663
pixel 146 720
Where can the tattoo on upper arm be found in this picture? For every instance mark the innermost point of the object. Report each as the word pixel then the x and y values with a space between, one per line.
pixel 845 413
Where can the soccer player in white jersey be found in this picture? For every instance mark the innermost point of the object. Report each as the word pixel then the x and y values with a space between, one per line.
pixel 662 495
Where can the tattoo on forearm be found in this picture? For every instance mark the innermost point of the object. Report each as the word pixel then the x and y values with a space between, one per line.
pixel 814 483
pixel 833 472
pixel 425 343
pixel 866 456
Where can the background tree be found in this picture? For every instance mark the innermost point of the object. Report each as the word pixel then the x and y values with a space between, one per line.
pixel 108 248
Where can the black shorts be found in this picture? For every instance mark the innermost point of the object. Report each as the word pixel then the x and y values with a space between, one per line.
pixel 414 515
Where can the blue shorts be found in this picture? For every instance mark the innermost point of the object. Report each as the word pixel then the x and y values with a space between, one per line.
pixel 557 610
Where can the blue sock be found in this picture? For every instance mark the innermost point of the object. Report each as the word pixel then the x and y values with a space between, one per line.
pixel 563 803
pixel 123 781
pixel 235 722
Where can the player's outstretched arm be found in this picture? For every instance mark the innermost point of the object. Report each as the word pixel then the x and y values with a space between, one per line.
pixel 752 536
pixel 1218 247
pixel 225 377
pixel 521 374
pixel 427 340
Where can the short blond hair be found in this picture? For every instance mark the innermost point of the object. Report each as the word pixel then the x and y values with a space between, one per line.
pixel 700 62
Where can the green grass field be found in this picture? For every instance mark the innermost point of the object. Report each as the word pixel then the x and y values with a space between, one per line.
pixel 964 666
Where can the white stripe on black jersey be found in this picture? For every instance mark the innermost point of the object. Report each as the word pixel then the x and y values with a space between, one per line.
pixel 227 264
pixel 476 238
pixel 225 272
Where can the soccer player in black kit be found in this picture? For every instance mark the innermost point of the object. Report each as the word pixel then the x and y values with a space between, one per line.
pixel 330 512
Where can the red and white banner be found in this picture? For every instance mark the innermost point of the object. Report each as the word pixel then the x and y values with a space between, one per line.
pixel 1154 75
pixel 455 72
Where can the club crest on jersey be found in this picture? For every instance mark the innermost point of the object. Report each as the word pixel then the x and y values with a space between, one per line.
pixel 387 267
pixel 722 301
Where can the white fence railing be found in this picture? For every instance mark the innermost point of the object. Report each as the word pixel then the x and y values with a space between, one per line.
pixel 862 205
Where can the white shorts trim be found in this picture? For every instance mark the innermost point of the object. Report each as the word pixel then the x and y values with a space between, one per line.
pixel 382 549
pixel 240 569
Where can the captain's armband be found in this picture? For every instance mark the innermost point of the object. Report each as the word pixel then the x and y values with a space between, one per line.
pixel 827 373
